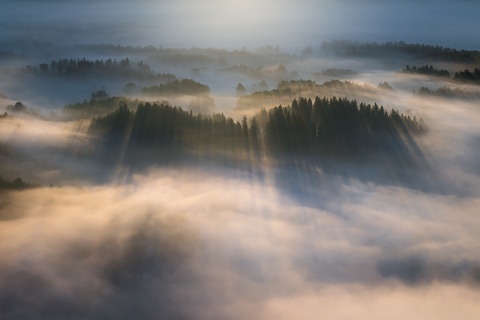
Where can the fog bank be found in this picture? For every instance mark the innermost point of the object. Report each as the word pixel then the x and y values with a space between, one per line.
pixel 188 245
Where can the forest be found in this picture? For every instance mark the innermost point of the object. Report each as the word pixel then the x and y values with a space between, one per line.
pixel 427 70
pixel 310 129
pixel 184 86
pixel 287 90
pixel 448 92
pixel 468 76
pixel 465 76
pixel 358 49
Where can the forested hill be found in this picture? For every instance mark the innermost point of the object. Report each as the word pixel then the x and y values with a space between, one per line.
pixel 466 76
pixel 71 68
pixel 334 126
pixel 372 49
pixel 323 127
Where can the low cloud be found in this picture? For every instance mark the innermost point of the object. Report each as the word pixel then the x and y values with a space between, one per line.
pixel 187 244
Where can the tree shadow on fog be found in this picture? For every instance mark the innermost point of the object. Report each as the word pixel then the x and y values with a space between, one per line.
pixel 118 276
pixel 418 270
pixel 315 181
pixel 318 143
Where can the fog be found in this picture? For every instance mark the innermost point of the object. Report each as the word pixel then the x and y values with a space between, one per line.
pixel 186 244
pixel 213 241
pixel 147 170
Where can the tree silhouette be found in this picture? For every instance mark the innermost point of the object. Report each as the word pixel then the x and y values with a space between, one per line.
pixel 335 127
pixel 240 89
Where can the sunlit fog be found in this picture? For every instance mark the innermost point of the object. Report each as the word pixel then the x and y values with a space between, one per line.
pixel 239 159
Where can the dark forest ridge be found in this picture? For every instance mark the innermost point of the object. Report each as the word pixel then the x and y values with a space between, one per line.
pixel 71 68
pixel 465 76
pixel 11 49
pixel 425 51
pixel 323 127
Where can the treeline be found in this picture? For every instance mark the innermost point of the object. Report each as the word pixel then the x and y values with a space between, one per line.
pixel 109 67
pixel 184 86
pixel 310 85
pixel 287 90
pixel 6 54
pixel 320 127
pixel 461 76
pixel 447 92
pixel 468 76
pixel 84 66
pixel 16 184
pixel 166 131
pixel 20 108
pixel 280 71
pixel 189 59
pixel 107 49
pixel 334 72
pixel 337 126
pixel 96 107
pixel 426 70
pixel 358 49
pixel 348 86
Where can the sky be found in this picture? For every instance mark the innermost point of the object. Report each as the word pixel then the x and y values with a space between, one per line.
pixel 235 24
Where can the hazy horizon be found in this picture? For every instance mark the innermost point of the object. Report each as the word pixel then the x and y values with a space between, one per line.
pixel 236 24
